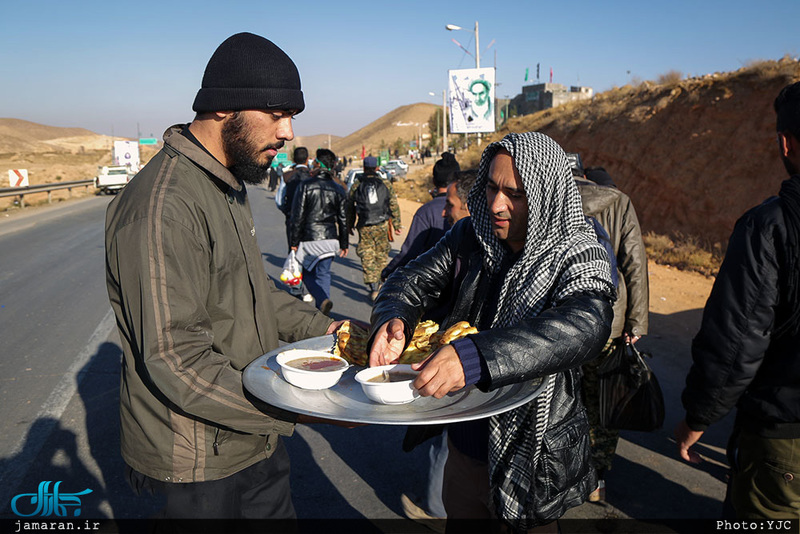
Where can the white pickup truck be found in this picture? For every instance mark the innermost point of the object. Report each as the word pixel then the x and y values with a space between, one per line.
pixel 111 179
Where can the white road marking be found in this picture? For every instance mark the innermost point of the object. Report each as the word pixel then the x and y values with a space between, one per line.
pixel 29 446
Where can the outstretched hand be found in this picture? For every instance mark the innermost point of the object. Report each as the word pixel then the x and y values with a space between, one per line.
pixel 441 373
pixel 686 437
pixel 389 342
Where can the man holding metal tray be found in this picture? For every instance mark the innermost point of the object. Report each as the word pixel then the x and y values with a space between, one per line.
pixel 194 305
pixel 529 273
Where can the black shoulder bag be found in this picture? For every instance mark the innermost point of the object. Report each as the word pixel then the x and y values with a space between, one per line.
pixel 630 396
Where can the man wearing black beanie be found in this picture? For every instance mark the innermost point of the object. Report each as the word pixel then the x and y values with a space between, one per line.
pixel 192 301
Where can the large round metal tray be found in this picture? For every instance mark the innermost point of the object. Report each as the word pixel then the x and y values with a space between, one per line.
pixel 346 401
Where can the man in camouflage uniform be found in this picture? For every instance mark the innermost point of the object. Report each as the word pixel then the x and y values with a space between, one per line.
pixel 372 204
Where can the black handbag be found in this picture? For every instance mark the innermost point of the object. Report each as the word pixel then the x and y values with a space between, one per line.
pixel 630 396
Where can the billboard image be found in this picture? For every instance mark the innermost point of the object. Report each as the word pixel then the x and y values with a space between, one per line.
pixel 471 100
pixel 126 153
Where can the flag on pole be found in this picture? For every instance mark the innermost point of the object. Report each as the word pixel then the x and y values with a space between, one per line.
pixel 363 152
pixel 526 74
pixel 551 74
pixel 537 72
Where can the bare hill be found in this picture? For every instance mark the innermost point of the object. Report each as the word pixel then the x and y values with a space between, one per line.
pixel 406 122
pixel 692 155
pixel 20 136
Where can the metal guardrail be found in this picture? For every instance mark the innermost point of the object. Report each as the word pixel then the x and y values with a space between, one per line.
pixel 42 188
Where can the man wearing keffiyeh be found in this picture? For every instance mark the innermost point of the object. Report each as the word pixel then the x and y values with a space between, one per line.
pixel 528 271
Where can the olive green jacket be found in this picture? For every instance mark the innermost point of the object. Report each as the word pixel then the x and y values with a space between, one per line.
pixel 194 306
pixel 614 210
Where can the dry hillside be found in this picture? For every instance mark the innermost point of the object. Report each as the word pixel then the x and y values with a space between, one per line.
pixel 19 136
pixel 693 155
pixel 52 154
pixel 406 123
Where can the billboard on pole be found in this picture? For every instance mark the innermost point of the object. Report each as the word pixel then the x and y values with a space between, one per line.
pixel 126 153
pixel 471 99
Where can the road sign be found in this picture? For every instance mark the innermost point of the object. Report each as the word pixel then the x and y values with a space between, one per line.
pixel 280 157
pixel 148 141
pixel 18 177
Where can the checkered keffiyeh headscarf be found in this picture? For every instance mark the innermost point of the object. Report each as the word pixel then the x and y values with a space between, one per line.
pixel 561 257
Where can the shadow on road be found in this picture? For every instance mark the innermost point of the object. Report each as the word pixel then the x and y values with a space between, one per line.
pixel 641 492
pixel 56 460
pixel 370 453
pixel 99 392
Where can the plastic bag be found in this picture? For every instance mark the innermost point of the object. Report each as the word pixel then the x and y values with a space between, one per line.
pixel 630 396
pixel 292 274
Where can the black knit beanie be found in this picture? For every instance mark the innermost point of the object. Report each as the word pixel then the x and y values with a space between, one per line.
pixel 249 72
pixel 445 169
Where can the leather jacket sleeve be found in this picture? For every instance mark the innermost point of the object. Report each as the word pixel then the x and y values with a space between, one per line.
pixel 341 221
pixel 632 263
pixel 738 320
pixel 417 287
pixel 562 337
pixel 297 219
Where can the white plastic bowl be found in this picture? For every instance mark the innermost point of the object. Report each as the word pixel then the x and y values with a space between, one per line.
pixel 388 392
pixel 310 379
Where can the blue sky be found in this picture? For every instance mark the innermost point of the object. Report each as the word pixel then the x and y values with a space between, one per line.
pixel 134 67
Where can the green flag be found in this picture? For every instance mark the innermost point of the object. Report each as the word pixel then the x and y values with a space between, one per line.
pixel 526 74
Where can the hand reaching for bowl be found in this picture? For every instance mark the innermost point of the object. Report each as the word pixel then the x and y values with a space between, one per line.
pixel 440 373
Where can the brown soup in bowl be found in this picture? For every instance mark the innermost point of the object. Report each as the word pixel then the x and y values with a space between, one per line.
pixel 393 376
pixel 317 363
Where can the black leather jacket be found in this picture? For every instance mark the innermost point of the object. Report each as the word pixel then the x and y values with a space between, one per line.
pixel 737 360
pixel 319 212
pixel 559 340
pixel 293 181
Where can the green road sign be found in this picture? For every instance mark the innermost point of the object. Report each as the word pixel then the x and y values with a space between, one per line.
pixel 281 157
pixel 148 141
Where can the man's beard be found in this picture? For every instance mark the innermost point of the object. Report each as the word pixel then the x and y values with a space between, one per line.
pixel 242 153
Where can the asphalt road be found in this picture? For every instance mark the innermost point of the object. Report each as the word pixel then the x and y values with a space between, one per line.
pixel 59 380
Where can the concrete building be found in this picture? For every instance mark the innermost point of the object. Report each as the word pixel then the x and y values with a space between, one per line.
pixel 541 96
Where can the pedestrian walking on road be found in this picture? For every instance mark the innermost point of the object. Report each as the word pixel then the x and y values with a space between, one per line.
pixel 273 178
pixel 528 272
pixel 318 228
pixel 428 224
pixel 371 208
pixel 194 305
pixel 614 211
pixel 293 179
pixel 747 353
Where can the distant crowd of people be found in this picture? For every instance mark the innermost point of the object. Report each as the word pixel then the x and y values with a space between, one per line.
pixel 511 246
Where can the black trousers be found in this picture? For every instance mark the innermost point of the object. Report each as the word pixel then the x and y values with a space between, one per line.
pixel 260 491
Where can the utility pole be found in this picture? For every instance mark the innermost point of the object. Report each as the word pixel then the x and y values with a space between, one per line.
pixel 444 121
pixel 477 66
